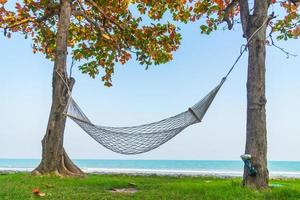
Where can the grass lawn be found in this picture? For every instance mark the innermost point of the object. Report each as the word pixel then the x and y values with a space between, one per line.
pixel 20 185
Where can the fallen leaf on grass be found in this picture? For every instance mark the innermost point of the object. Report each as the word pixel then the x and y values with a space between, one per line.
pixel 37 192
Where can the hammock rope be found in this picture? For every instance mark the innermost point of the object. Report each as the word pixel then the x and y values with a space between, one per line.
pixel 143 138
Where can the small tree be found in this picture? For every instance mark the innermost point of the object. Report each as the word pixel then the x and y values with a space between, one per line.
pixel 212 14
pixel 254 22
pixel 98 33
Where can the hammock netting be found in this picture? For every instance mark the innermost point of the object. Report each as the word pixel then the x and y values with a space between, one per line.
pixel 143 138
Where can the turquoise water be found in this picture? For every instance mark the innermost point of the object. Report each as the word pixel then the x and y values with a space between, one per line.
pixel 280 168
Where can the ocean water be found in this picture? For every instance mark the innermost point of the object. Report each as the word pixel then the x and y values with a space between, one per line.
pixel 163 167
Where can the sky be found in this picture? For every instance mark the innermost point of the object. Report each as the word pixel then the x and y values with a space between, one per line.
pixel 141 96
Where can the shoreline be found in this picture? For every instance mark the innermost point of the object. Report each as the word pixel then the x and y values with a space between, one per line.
pixel 160 172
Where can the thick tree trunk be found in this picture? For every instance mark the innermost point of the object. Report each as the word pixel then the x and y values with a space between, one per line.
pixel 256 140
pixel 54 158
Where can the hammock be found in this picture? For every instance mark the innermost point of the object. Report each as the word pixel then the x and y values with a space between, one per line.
pixel 143 138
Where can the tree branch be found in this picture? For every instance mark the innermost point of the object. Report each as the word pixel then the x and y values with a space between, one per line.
pixel 244 13
pixel 288 54
pixel 117 24
pixel 261 7
pixel 104 28
pixel 97 26
pixel 90 20
pixel 52 12
pixel 227 12
pixel 95 5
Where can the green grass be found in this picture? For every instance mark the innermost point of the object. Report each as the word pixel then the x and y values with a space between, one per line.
pixel 19 186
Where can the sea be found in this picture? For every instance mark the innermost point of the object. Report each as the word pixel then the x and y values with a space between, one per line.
pixel 221 168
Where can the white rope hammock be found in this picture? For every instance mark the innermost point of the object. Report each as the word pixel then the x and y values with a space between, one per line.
pixel 143 138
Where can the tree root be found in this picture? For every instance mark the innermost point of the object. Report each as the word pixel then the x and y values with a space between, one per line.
pixel 65 167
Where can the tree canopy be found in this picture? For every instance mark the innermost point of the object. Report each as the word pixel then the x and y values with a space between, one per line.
pixel 103 33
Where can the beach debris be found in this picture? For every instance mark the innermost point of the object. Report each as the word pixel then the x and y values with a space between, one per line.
pixel 37 192
pixel 129 190
pixel 41 194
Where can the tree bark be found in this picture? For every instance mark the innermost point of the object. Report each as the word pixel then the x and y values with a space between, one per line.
pixel 54 158
pixel 256 132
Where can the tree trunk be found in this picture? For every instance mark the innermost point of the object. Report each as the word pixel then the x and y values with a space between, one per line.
pixel 54 158
pixel 256 139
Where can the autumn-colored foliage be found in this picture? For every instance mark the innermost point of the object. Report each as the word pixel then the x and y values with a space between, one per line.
pixel 103 33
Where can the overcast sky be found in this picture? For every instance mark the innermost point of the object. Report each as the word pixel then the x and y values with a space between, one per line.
pixel 139 96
